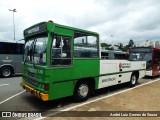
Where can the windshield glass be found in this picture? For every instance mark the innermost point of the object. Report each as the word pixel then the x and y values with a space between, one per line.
pixel 142 57
pixel 35 50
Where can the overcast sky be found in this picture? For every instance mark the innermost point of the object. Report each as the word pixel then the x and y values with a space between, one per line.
pixel 125 19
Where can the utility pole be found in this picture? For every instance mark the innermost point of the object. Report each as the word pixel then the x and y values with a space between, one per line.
pixel 14 10
pixel 112 40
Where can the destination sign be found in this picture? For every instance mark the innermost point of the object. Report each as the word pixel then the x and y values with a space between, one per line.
pixel 35 29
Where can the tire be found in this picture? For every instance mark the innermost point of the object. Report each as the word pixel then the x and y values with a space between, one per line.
pixel 6 72
pixel 82 91
pixel 133 80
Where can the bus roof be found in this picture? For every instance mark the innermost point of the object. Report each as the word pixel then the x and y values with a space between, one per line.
pixel 76 29
pixel 49 26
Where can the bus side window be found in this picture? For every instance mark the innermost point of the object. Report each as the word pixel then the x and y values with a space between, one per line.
pixel 85 46
pixel 61 51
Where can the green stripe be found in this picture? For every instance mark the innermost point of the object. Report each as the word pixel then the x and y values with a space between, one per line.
pixel 99 75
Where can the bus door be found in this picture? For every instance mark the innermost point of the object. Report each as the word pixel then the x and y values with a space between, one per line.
pixel 61 51
pixel 62 47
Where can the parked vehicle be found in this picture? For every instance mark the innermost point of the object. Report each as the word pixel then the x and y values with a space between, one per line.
pixel 112 54
pixel 148 54
pixel 11 58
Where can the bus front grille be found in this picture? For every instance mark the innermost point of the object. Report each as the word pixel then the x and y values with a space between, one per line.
pixel 30 81
pixel 31 74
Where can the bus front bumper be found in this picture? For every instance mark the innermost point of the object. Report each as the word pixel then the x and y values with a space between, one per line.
pixel 34 92
pixel 149 73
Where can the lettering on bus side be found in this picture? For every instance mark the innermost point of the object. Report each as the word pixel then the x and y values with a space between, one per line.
pixel 126 65
pixel 7 59
pixel 109 79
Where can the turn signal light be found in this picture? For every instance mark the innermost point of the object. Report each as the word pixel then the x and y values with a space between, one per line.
pixel 46 87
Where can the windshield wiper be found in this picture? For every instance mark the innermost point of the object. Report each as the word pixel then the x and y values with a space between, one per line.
pixel 24 58
pixel 35 40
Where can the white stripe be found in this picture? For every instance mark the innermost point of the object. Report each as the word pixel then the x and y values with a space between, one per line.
pixel 82 104
pixel 11 97
pixel 3 84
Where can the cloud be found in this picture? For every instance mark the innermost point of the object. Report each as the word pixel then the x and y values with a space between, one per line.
pixel 125 19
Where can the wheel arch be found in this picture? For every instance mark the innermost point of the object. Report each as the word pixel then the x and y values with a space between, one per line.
pixel 137 73
pixel 90 80
pixel 7 65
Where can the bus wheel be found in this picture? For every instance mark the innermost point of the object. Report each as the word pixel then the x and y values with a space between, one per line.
pixel 6 72
pixel 133 80
pixel 82 91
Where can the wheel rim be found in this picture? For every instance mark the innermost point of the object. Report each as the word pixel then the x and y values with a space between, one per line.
pixel 133 80
pixel 6 72
pixel 83 90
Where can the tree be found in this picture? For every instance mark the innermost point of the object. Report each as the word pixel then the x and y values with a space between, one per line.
pixel 131 43
pixel 125 48
pixel 105 45
pixel 121 46
pixel 111 48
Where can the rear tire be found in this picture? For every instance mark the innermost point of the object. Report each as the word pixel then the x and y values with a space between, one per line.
pixel 82 91
pixel 133 80
pixel 6 72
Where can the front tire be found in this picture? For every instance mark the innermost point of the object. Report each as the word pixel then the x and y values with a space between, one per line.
pixel 6 72
pixel 82 91
pixel 133 80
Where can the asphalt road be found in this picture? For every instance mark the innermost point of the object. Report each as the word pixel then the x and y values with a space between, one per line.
pixel 14 98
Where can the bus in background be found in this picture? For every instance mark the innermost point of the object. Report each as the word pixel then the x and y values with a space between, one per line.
pixel 148 54
pixel 121 55
pixel 10 58
pixel 112 54
pixel 61 61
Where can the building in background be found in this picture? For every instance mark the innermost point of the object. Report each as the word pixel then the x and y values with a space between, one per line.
pixel 157 44
pixel 147 43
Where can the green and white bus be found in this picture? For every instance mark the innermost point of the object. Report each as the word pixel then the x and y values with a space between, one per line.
pixel 61 61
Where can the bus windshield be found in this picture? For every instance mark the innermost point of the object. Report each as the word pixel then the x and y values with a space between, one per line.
pixel 141 57
pixel 35 50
